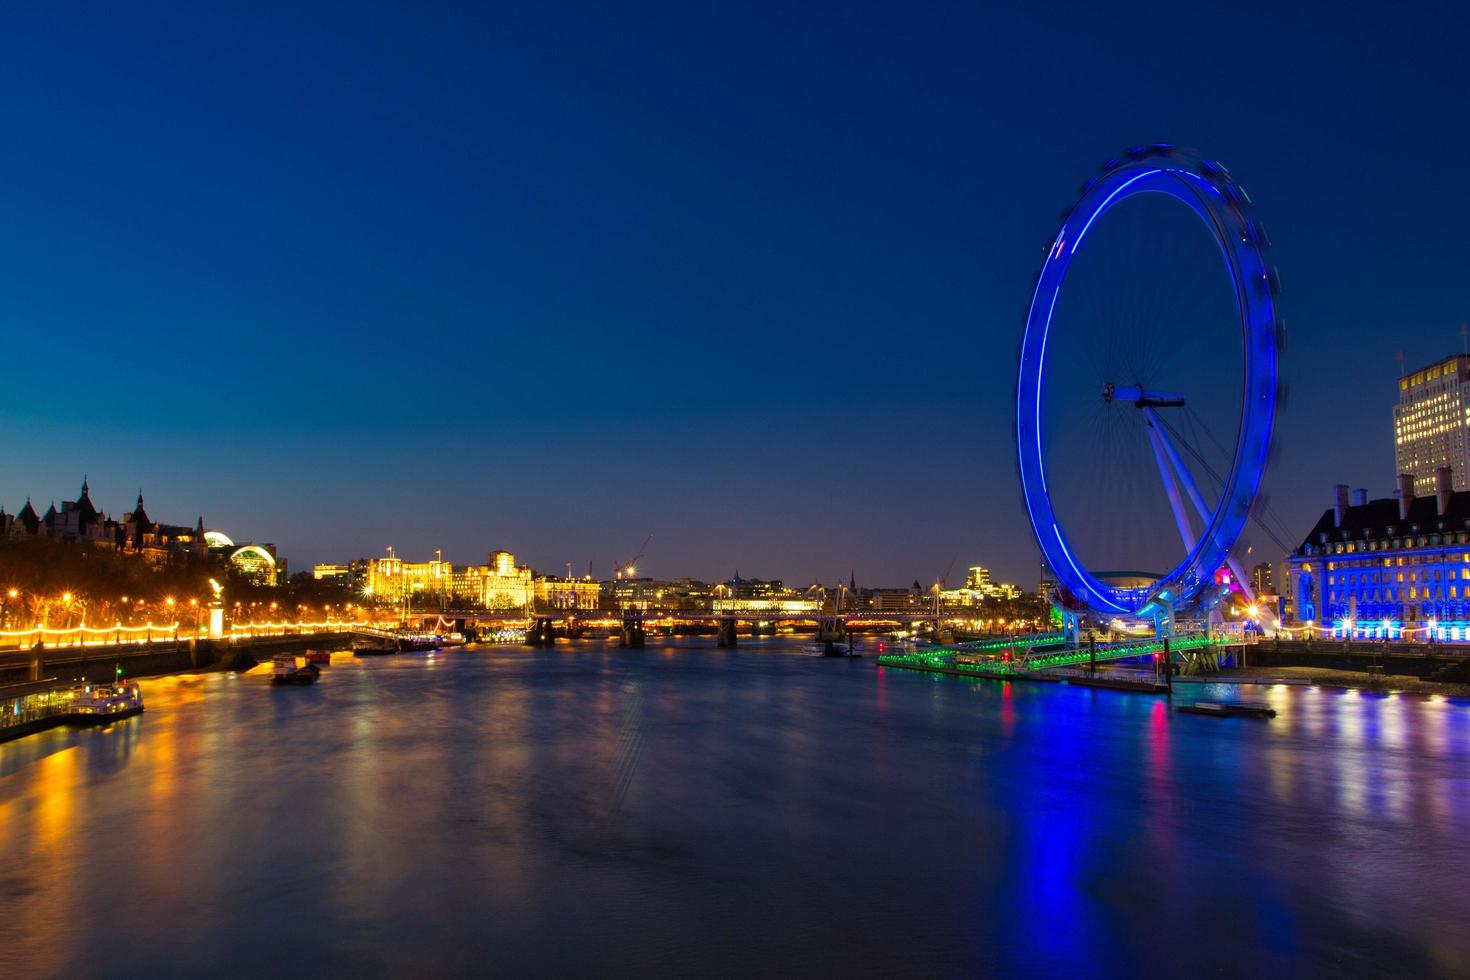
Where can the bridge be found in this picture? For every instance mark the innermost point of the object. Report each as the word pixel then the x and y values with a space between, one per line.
pixel 632 625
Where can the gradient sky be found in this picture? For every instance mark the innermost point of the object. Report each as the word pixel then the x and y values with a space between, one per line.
pixel 553 277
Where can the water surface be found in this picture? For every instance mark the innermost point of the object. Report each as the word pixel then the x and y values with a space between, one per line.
pixel 683 810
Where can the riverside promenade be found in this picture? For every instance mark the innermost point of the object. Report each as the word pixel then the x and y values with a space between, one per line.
pixel 35 684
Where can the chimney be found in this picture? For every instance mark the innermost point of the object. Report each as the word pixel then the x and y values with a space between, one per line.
pixel 1339 503
pixel 1360 497
pixel 1444 485
pixel 1405 494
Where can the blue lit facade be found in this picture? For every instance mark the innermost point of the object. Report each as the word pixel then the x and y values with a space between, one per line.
pixel 1387 569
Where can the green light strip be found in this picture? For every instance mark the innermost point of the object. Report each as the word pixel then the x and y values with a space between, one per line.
pixel 945 657
pixel 1026 639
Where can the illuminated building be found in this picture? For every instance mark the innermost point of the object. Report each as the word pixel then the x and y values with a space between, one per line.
pixel 1263 579
pixel 80 521
pixel 688 595
pixel 258 563
pixel 771 604
pixel 581 594
pixel 352 575
pixel 752 595
pixel 977 588
pixel 1375 568
pixel 498 584
pixel 894 600
pixel 1431 424
pixel 391 579
pixel 635 593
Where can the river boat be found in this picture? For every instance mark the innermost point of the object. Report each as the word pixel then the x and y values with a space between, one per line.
pixel 832 648
pixel 1228 709
pixel 99 704
pixel 382 644
pixel 285 670
pixel 322 658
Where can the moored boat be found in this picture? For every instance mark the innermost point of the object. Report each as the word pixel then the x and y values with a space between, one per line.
pixel 378 643
pixel 285 670
pixel 322 658
pixel 832 648
pixel 98 704
pixel 1229 709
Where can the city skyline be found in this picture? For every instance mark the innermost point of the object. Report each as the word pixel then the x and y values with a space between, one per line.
pixel 753 319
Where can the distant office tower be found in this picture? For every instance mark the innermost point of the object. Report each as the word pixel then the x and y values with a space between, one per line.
pixel 1431 424
pixel 1264 579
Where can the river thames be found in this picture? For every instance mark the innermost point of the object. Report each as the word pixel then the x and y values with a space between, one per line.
pixel 684 810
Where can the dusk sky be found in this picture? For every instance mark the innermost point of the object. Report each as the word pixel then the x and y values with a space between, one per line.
pixel 552 278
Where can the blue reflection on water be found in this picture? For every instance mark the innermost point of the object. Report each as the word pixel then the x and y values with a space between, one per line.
pixel 683 810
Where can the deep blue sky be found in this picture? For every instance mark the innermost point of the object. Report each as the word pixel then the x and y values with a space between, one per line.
pixel 553 277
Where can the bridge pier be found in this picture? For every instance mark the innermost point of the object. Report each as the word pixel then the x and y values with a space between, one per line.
pixel 726 635
pixel 541 633
pixel 633 634
pixel 832 631
pixel 38 661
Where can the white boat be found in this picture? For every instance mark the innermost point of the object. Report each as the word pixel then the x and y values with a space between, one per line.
pixel 98 704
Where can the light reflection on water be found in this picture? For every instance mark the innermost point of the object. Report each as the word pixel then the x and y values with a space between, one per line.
pixel 687 810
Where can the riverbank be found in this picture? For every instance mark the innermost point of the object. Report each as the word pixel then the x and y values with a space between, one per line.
pixel 1354 679
pixel 1143 680
pixel 101 664
pixel 28 707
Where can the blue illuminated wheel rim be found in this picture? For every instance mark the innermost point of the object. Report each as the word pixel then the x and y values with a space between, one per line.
pixel 1209 191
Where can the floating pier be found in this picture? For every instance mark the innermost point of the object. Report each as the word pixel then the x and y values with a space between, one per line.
pixel 1228 709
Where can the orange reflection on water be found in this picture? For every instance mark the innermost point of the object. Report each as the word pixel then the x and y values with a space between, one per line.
pixel 55 808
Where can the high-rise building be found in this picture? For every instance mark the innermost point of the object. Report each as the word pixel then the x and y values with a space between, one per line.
pixel 1431 424
pixel 1263 578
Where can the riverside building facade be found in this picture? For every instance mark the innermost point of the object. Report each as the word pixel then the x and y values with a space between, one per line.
pixel 1396 568
pixel 498 584
pixel 80 522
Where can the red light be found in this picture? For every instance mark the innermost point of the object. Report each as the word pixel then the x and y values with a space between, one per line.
pixel 1158 657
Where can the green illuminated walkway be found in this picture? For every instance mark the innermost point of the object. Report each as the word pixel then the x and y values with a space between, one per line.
pixel 957 659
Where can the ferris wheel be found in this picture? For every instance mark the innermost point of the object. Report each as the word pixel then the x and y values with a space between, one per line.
pixel 1147 388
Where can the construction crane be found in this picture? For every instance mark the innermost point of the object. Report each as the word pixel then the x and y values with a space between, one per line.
pixel 629 568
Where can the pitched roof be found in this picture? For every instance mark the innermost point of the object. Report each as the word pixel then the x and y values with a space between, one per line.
pixel 84 506
pixel 1380 519
pixel 139 516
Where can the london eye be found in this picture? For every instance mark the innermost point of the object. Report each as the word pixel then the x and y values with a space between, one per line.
pixel 1147 387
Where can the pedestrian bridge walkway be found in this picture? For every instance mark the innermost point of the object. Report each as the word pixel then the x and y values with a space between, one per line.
pixel 1029 654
